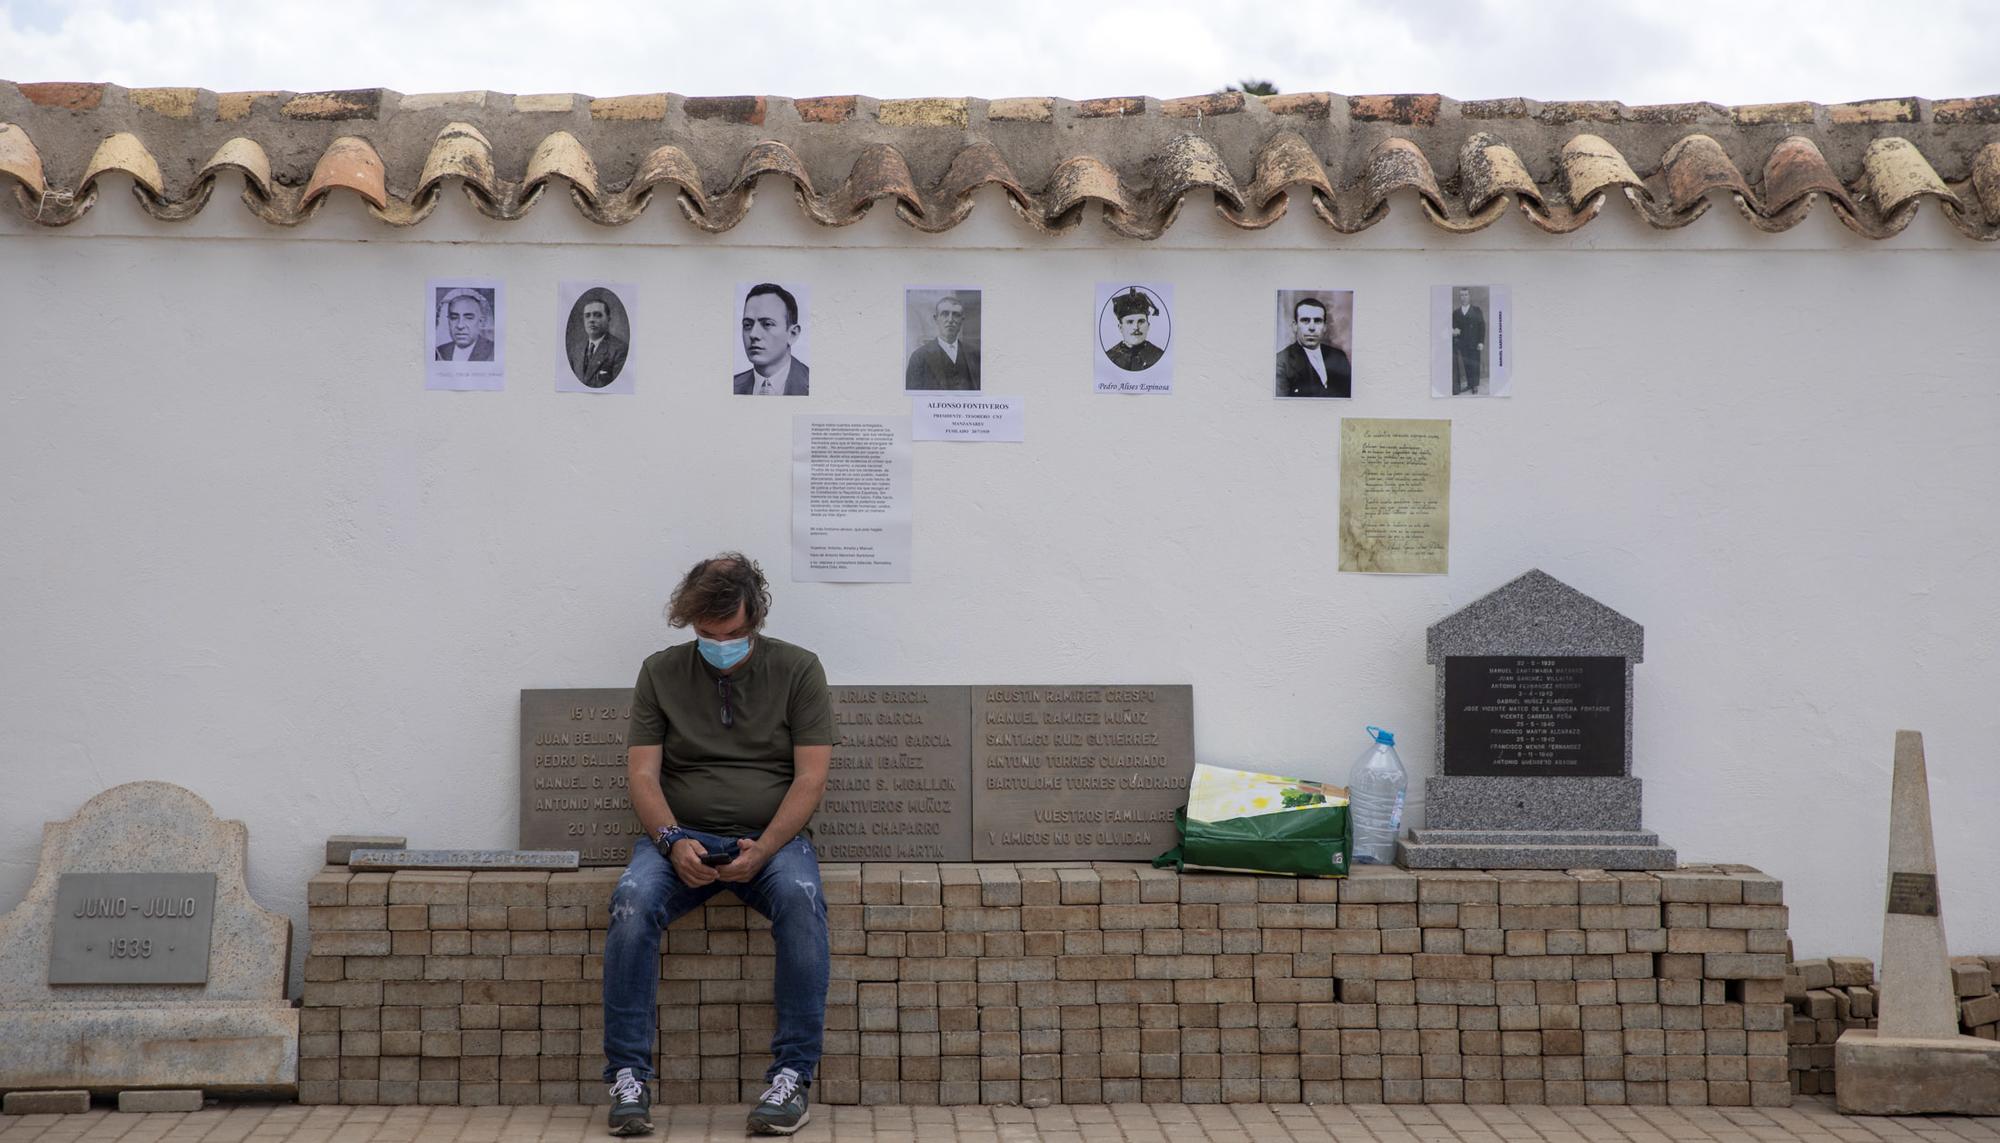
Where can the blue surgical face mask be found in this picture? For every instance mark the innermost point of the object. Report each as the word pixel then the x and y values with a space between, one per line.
pixel 723 654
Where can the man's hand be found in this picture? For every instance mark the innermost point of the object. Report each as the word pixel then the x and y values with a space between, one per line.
pixel 751 858
pixel 686 861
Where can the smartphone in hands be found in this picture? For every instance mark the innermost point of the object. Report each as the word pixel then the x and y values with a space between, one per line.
pixel 719 856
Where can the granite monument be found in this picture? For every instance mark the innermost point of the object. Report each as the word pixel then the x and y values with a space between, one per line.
pixel 1534 737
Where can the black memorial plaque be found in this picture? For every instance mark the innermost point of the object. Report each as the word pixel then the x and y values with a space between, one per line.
pixel 573 792
pixel 1913 894
pixel 1078 773
pixel 900 785
pixel 1534 716
pixel 132 928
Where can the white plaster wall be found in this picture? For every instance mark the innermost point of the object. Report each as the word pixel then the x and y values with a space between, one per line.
pixel 245 551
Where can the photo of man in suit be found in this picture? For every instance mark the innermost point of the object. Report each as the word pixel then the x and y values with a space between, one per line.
pixel 466 318
pixel 596 355
pixel 1135 311
pixel 1468 343
pixel 771 323
pixel 1312 366
pixel 945 361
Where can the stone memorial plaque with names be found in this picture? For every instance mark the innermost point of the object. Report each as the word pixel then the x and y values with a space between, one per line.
pixel 1913 894
pixel 899 788
pixel 1079 772
pixel 132 928
pixel 1534 716
pixel 573 773
pixel 533 859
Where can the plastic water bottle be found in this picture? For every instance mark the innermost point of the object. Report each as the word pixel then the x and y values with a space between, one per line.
pixel 1375 789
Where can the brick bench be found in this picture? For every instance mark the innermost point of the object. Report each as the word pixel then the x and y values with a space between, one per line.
pixel 1078 983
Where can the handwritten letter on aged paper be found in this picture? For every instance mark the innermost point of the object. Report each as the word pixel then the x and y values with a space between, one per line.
pixel 1395 496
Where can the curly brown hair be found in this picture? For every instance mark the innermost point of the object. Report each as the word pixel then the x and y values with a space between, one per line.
pixel 713 589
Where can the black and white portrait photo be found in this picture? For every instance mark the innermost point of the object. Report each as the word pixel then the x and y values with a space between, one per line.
pixel 1135 332
pixel 463 339
pixel 1469 341
pixel 597 338
pixel 1315 343
pixel 772 345
pixel 940 338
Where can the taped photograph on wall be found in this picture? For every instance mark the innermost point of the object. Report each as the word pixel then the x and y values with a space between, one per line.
pixel 1470 356
pixel 941 338
pixel 771 341
pixel 596 349
pixel 1135 338
pixel 463 344
pixel 1315 343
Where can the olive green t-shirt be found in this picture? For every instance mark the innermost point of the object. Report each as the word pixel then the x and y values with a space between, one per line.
pixel 720 779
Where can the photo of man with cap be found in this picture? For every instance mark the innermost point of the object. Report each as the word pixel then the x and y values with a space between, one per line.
pixel 1135 311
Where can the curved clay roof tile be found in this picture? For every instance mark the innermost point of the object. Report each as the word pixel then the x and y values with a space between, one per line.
pixel 351 163
pixel 879 172
pixel 1695 166
pixel 1398 164
pixel 1488 168
pixel 664 166
pixel 124 152
pixel 460 152
pixel 1592 166
pixel 245 156
pixel 1077 181
pixel 560 155
pixel 20 160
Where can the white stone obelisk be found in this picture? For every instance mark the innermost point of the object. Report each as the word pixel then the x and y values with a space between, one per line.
pixel 1914 1061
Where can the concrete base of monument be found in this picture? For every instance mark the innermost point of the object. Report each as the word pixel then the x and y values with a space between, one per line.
pixel 1533 849
pixel 252 1049
pixel 1874 1075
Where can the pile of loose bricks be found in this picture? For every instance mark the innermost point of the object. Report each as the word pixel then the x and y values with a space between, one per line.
pixel 1832 994
pixel 1040 983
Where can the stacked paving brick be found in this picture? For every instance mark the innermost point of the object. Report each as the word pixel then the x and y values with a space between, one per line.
pixel 1078 983
pixel 1830 995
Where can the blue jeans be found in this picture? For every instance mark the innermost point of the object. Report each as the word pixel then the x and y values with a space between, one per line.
pixel 650 896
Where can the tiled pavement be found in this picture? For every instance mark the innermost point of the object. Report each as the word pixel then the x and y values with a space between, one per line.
pixel 1813 1119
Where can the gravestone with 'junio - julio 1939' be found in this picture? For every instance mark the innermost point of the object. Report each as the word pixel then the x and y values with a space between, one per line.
pixel 1534 737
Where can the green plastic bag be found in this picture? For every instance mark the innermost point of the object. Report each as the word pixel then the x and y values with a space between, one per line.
pixel 1312 842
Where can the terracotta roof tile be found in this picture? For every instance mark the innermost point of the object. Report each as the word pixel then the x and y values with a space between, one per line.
pixel 442 100
pixel 1035 110
pixel 351 163
pixel 172 102
pixel 1117 105
pixel 1494 109
pixel 1985 109
pixel 68 96
pixel 1581 111
pixel 922 113
pixel 727 108
pixel 1758 114
pixel 1678 114
pixel 1986 180
pixel 629 107
pixel 1410 110
pixel 19 160
pixel 334 105
pixel 231 106
pixel 1130 162
pixel 544 104
pixel 1874 111
pixel 825 108
pixel 1308 104
pixel 1201 106
pixel 124 152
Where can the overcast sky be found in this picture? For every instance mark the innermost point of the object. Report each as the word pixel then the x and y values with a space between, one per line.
pixel 1743 51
